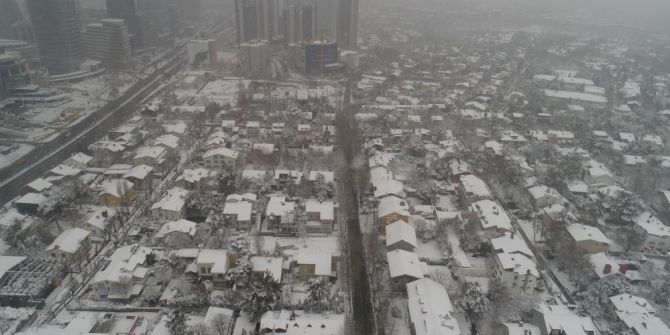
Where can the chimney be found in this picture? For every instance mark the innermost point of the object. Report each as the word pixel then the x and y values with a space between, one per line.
pixel 607 269
pixel 623 269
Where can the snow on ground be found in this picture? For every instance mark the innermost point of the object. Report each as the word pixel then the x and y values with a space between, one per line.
pixel 401 322
pixel 293 245
pixel 8 218
pixel 11 318
pixel 459 255
pixel 527 227
pixel 428 250
pixel 10 158
pixel 445 202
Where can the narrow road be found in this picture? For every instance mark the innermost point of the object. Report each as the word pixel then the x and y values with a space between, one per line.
pixel 362 314
pixel 50 154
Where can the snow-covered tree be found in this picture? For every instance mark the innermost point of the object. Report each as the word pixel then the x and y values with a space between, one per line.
pixel 176 322
pixel 472 300
pixel 240 272
pixel 262 295
pixel 416 147
pixel 318 296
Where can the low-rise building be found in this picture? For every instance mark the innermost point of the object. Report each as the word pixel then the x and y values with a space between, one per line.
pixel 220 158
pixel 491 217
pixel 400 235
pixel 71 246
pixel 391 209
pixel 656 234
pixel 116 193
pixel 315 265
pixel 78 160
pixel 560 319
pixel 637 314
pixel 430 309
pixel 280 216
pixel 238 210
pixel 212 264
pixel 404 267
pixel 179 232
pixel 97 223
pixel 171 206
pixel 152 156
pixel 517 272
pixel 472 188
pixel 320 216
pixel 125 275
pixel 588 239
pixel 272 265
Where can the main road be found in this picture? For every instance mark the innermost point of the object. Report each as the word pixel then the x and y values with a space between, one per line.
pixel 362 314
pixel 79 136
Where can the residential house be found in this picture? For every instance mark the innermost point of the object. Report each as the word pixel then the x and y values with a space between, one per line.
pixel 656 234
pixel 220 158
pixel 71 246
pixel 30 203
pixel 219 320
pixel 152 156
pixel 125 275
pixel 78 160
pixel 140 176
pixel 596 174
pixel 192 179
pixel 171 206
pixel 458 168
pixel 510 243
pixel 169 142
pixel 588 239
pixel 271 265
pixel 517 272
pixel 471 188
pixel 283 177
pixel 97 221
pixel 384 184
pixel 543 196
pixel 177 129
pixel 637 314
pixel 400 235
pixel 606 265
pixel 180 232
pixel 404 267
pixel 238 210
pixel 430 309
pixel 491 217
pixel 280 216
pixel 518 328
pixel 391 209
pixel 63 171
pixel 563 320
pixel 116 193
pixel 38 185
pixel 212 264
pixel 296 323
pixel 320 216
pixel 310 264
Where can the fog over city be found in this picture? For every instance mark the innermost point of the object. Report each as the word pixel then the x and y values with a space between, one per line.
pixel 335 167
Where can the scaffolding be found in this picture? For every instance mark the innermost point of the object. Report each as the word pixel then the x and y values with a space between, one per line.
pixel 31 280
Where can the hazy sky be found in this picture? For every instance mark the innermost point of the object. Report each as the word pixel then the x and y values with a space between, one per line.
pixel 648 13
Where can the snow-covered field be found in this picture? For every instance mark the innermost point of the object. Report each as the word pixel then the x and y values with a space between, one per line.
pixel 16 154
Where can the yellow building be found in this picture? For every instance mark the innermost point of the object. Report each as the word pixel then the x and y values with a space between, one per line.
pixel 116 193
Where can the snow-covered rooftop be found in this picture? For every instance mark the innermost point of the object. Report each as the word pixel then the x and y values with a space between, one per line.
pixel 322 262
pixel 518 263
pixel 652 225
pixel 511 244
pixel 40 185
pixel 174 200
pixel 69 240
pixel 392 204
pixel 326 209
pixel 430 309
pixel 400 231
pixel 580 232
pixel 273 265
pixel 491 215
pixel 473 185
pixel 404 263
pixel 181 226
pixel 124 264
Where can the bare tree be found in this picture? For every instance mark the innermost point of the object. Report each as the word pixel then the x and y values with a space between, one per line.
pixel 221 324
